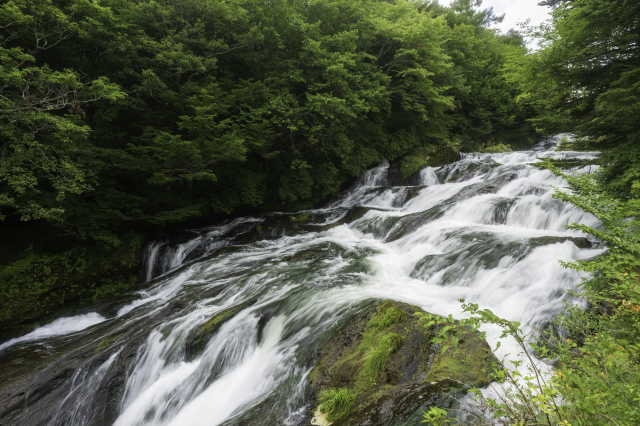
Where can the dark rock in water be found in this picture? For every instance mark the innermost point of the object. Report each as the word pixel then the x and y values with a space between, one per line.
pixel 501 210
pixel 580 242
pixel 413 192
pixel 272 411
pixel 477 168
pixel 200 336
pixel 324 250
pixel 395 175
pixel 37 381
pixel 278 225
pixel 113 386
pixel 356 213
pixel 302 255
pixel 410 222
pixel 384 363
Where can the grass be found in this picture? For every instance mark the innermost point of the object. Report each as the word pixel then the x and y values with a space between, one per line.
pixel 373 352
pixel 336 403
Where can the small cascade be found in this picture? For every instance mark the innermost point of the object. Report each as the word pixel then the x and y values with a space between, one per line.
pixel 232 315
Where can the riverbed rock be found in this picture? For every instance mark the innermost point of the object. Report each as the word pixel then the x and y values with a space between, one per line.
pixel 200 336
pixel 384 364
pixel 413 192
pixel 580 242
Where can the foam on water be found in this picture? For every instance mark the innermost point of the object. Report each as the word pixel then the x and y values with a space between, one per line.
pixel 58 327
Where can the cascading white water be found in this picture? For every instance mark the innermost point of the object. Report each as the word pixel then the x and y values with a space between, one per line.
pixel 469 231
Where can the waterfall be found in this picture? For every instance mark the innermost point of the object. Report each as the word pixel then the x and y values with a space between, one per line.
pixel 471 230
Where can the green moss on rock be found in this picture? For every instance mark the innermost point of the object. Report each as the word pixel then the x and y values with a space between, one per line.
pixel 106 343
pixel 385 355
pixel 308 254
pixel 336 403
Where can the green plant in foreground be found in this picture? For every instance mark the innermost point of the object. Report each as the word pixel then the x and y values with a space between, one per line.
pixel 437 416
pixel 336 403
pixel 530 395
pixel 594 381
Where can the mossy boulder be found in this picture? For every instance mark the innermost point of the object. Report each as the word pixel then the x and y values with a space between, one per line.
pixel 200 336
pixel 580 242
pixel 381 367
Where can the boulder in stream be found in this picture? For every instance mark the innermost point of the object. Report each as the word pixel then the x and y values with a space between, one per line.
pixel 382 369
pixel 199 337
pixel 580 242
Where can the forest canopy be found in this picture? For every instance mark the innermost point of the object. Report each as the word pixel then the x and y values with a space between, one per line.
pixel 121 114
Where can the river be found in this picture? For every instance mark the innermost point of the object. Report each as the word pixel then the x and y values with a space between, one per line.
pixel 471 229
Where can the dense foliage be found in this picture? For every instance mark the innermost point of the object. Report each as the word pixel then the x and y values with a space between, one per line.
pixel 585 79
pixel 126 114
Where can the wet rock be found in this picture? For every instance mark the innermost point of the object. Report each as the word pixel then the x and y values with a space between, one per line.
pixel 327 227
pixel 325 250
pixel 200 336
pixel 113 386
pixel 502 207
pixel 413 192
pixel 272 411
pixel 409 223
pixel 303 255
pixel 356 213
pixel 580 242
pixel 384 361
pixel 470 171
pixel 278 225
pixel 42 380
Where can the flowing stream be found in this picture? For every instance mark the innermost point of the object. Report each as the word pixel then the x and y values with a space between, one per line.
pixel 473 229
